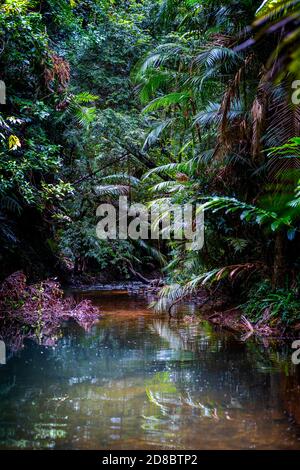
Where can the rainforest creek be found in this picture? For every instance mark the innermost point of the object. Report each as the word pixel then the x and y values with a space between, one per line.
pixel 139 381
pixel 185 104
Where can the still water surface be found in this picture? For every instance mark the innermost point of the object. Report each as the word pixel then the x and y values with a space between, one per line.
pixel 138 381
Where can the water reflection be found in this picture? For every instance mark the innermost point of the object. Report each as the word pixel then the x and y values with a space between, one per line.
pixel 139 381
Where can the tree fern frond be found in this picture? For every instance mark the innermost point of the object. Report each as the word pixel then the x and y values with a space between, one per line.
pixel 84 115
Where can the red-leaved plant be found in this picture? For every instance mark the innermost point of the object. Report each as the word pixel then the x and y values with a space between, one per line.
pixel 38 311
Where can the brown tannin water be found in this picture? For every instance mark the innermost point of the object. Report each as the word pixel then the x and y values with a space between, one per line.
pixel 140 381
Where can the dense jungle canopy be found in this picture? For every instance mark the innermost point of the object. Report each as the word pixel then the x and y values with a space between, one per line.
pixel 180 100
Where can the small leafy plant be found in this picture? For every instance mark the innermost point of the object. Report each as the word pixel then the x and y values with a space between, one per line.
pixel 273 306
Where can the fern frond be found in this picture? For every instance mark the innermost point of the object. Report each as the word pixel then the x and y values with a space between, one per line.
pixel 85 97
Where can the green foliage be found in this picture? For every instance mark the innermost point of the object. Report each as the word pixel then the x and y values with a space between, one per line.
pixel 80 242
pixel 71 110
pixel 159 101
pixel 249 213
pixel 271 305
pixel 216 115
pixel 271 16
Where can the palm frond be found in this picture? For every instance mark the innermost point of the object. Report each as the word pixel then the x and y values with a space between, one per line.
pixel 212 114
pixel 174 293
pixel 120 178
pixel 112 191
pixel 249 213
pixel 152 251
pixel 217 56
pixel 7 234
pixel 171 168
pixel 156 133
pixel 154 80
pixel 10 204
pixel 164 102
pixel 295 202
pixel 168 187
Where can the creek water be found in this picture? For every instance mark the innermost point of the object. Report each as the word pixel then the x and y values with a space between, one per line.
pixel 140 381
